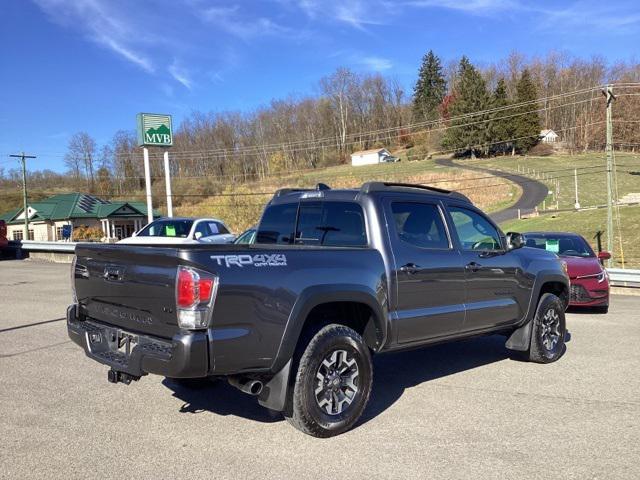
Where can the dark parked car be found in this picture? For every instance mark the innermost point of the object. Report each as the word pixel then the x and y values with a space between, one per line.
pixel 333 277
pixel 589 280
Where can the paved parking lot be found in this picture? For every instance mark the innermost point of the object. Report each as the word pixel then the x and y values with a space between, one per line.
pixel 462 410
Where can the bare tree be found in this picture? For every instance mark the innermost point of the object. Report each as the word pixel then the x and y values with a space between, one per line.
pixel 80 157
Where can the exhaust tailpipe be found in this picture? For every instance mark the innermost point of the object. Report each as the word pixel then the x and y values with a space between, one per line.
pixel 247 385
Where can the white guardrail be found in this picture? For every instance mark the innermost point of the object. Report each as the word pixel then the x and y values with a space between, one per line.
pixel 33 246
pixel 623 277
pixel 620 277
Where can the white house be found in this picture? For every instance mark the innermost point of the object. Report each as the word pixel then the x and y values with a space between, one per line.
pixel 370 157
pixel 548 136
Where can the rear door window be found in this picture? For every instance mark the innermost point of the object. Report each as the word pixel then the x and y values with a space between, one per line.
pixel 217 228
pixel 202 230
pixel 420 224
pixel 167 228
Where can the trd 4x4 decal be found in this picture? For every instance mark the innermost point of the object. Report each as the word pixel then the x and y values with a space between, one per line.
pixel 259 260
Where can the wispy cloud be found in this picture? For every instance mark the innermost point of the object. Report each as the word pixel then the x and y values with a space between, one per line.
pixel 127 53
pixel 233 21
pixel 355 13
pixel 476 7
pixel 377 64
pixel 620 19
pixel 101 24
pixel 180 74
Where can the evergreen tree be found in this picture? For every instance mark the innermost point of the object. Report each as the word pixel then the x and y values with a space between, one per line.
pixel 468 134
pixel 501 129
pixel 527 125
pixel 430 88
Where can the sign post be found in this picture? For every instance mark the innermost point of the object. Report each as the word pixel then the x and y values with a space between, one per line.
pixel 147 184
pixel 155 130
pixel 167 179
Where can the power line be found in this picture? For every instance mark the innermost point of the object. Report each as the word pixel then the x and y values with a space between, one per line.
pixel 326 142
pixel 447 180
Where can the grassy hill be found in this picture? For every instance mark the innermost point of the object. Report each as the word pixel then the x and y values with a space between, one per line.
pixel 592 191
pixel 240 212
pixel 592 186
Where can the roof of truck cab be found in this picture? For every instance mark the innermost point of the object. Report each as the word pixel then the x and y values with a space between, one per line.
pixel 367 189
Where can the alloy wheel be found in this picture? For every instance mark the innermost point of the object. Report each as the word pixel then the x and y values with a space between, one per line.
pixel 336 382
pixel 550 331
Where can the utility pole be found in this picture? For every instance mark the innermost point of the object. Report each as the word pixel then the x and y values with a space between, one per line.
pixel 23 158
pixel 608 93
pixel 575 179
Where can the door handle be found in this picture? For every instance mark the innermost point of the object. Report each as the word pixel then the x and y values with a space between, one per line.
pixel 410 268
pixel 473 266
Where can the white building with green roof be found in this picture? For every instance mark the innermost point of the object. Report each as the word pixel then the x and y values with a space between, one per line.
pixel 47 218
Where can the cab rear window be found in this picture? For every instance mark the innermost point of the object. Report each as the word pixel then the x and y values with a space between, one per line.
pixel 278 224
pixel 337 224
pixel 322 223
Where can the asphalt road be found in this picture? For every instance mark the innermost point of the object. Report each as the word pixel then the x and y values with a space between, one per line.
pixel 533 191
pixel 463 410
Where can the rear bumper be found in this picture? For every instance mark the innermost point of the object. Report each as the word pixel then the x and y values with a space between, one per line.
pixel 184 356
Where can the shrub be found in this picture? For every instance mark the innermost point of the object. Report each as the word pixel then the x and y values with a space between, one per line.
pixel 541 150
pixel 84 232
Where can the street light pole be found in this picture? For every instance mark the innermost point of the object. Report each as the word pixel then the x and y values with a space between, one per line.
pixel 609 150
pixel 23 158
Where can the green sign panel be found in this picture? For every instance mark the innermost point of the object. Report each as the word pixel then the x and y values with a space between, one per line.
pixel 154 130
pixel 553 245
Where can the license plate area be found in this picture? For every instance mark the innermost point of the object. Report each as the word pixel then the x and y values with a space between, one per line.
pixel 124 342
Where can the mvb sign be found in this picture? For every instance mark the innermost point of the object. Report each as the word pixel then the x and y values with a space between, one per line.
pixel 154 130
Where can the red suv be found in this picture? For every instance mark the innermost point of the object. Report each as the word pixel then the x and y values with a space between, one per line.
pixel 589 280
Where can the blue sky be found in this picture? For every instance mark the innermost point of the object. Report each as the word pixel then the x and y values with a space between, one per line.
pixel 91 65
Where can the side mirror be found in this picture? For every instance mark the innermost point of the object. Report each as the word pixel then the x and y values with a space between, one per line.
pixel 604 255
pixel 198 235
pixel 514 240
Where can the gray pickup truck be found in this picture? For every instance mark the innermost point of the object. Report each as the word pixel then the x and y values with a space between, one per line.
pixel 334 276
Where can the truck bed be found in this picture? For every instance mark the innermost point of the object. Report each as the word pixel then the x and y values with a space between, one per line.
pixel 133 287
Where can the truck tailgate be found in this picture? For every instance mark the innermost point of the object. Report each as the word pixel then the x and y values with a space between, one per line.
pixel 128 286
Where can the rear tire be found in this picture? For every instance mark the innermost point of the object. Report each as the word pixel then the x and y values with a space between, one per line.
pixel 549 330
pixel 332 383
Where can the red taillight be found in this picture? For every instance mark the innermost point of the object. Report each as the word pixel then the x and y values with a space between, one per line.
pixel 187 291
pixel 193 288
pixel 206 289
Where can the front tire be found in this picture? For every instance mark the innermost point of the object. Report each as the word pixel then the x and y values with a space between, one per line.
pixel 332 383
pixel 549 330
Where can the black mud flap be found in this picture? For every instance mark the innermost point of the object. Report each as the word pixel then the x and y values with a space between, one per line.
pixel 274 393
pixel 520 339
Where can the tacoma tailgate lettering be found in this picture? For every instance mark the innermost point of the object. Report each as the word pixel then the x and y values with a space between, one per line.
pixel 259 260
